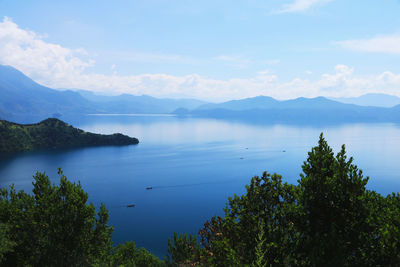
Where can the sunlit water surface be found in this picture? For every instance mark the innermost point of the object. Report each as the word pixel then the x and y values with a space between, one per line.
pixel 194 165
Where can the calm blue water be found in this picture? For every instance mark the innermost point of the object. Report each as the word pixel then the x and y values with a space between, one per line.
pixel 193 166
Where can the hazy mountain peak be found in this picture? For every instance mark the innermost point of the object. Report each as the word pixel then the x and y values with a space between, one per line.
pixel 371 99
pixel 15 79
pixel 21 97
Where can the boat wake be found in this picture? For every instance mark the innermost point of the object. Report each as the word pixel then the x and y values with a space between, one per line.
pixel 188 185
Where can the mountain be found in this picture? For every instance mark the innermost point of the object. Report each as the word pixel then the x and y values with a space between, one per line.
pixel 243 104
pixel 53 133
pixel 300 110
pixel 265 102
pixel 20 95
pixel 375 100
pixel 127 103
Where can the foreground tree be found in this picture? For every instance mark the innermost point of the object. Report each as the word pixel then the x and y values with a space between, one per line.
pixel 334 214
pixel 129 255
pixel 328 219
pixel 183 250
pixel 6 245
pixel 55 226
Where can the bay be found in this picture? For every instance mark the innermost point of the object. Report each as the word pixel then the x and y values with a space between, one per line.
pixel 194 165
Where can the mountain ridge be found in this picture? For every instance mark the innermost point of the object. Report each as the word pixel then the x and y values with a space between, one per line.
pixel 300 110
pixel 21 96
pixel 266 102
pixel 371 99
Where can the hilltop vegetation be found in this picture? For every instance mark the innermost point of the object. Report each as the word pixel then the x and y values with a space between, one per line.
pixel 53 133
pixel 328 219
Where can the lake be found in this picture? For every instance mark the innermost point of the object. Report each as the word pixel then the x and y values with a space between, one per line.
pixel 194 165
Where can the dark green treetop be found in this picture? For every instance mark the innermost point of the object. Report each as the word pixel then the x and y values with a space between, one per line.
pixel 329 218
pixel 56 226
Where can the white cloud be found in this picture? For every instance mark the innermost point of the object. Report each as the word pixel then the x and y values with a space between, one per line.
pixel 300 6
pixel 341 83
pixel 60 67
pixel 380 44
pixel 25 50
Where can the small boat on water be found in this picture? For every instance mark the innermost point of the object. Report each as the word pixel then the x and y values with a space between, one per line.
pixel 149 188
pixel 130 206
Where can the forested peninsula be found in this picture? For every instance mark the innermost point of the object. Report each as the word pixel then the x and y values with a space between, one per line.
pixel 53 133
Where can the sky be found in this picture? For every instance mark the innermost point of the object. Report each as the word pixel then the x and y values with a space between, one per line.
pixel 211 50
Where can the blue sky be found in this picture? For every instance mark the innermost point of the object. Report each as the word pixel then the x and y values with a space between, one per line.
pixel 213 50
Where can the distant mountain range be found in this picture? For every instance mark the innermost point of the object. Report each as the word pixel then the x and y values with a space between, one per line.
pixel 20 96
pixel 266 102
pixel 373 100
pixel 301 110
pixel 127 103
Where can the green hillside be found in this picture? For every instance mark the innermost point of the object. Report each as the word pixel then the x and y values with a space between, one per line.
pixel 53 133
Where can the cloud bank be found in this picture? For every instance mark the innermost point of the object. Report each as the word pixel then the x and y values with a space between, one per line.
pixel 59 67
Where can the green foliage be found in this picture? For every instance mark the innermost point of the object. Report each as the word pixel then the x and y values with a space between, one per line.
pixel 268 202
pixel 328 219
pixel 334 213
pixel 53 133
pixel 382 243
pixel 6 245
pixel 218 250
pixel 55 226
pixel 183 250
pixel 128 255
pixel 260 247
